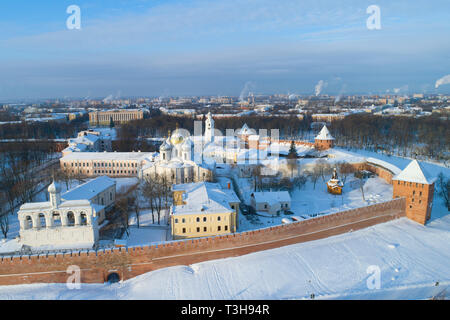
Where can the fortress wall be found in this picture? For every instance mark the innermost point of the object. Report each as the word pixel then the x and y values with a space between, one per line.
pixel 130 262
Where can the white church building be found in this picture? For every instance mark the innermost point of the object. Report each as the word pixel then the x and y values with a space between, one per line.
pixel 62 223
pixel 179 161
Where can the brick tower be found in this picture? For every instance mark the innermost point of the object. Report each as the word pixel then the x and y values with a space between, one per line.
pixel 324 140
pixel 414 184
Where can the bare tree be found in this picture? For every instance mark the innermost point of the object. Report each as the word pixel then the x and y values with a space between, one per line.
pixel 148 190
pixel 345 169
pixel 314 174
pixel 124 205
pixel 4 224
pixel 257 177
pixel 157 190
pixel 136 206
pixel 324 168
pixel 444 189
pixel 361 182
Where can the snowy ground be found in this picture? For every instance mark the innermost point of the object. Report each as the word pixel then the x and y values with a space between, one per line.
pixel 149 232
pixel 308 202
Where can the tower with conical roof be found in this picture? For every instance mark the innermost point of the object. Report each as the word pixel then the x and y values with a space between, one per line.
pixel 417 187
pixel 324 140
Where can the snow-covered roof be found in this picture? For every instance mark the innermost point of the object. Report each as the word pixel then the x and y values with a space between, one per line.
pixel 324 134
pixel 395 170
pixel 245 130
pixel 89 189
pixel 36 206
pixel 120 156
pixel 204 198
pixel 414 173
pixel 271 196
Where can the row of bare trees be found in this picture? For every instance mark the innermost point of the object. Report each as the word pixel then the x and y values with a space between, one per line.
pixel 426 137
pixel 157 190
pixel 322 169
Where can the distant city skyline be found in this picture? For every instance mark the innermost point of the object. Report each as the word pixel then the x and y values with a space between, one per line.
pixel 200 47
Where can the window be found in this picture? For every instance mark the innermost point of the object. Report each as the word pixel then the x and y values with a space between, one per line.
pixel 198 219
pixel 184 230
pixel 205 229
pixel 226 228
pixel 218 228
pixel 83 219
pixel 70 218
pixel 218 218
pixel 183 220
pixel 176 220
pixel 56 219
pixel 265 206
pixel 198 229
pixel 28 222
pixel 204 219
pixel 42 222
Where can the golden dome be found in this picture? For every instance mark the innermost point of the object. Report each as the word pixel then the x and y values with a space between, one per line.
pixel 176 138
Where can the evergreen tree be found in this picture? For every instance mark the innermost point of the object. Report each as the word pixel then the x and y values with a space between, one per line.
pixel 292 151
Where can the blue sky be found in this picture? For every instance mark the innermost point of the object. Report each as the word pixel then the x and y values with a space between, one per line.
pixel 215 47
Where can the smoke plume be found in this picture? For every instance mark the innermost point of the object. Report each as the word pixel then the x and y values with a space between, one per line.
pixel 442 81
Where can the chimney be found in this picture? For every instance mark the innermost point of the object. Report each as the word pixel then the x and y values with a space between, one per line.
pixel 229 185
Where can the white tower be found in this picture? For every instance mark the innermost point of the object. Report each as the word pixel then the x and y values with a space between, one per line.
pixel 54 191
pixel 209 128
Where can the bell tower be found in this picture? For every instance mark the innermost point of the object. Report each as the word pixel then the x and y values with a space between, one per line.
pixel 209 128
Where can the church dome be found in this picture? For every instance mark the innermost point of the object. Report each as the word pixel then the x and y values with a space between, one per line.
pixel 177 138
pixel 187 145
pixel 165 146
pixel 54 188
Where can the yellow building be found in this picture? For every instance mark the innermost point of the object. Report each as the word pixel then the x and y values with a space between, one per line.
pixel 116 115
pixel 203 209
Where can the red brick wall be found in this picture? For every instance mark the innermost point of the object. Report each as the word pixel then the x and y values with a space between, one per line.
pixel 323 144
pixel 297 143
pixel 130 262
pixel 383 173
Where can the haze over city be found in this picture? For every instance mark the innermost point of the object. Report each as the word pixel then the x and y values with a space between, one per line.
pixel 168 48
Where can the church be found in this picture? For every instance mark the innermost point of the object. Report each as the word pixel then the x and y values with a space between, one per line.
pixel 180 161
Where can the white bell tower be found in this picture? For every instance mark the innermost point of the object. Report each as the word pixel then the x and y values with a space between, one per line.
pixel 209 128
